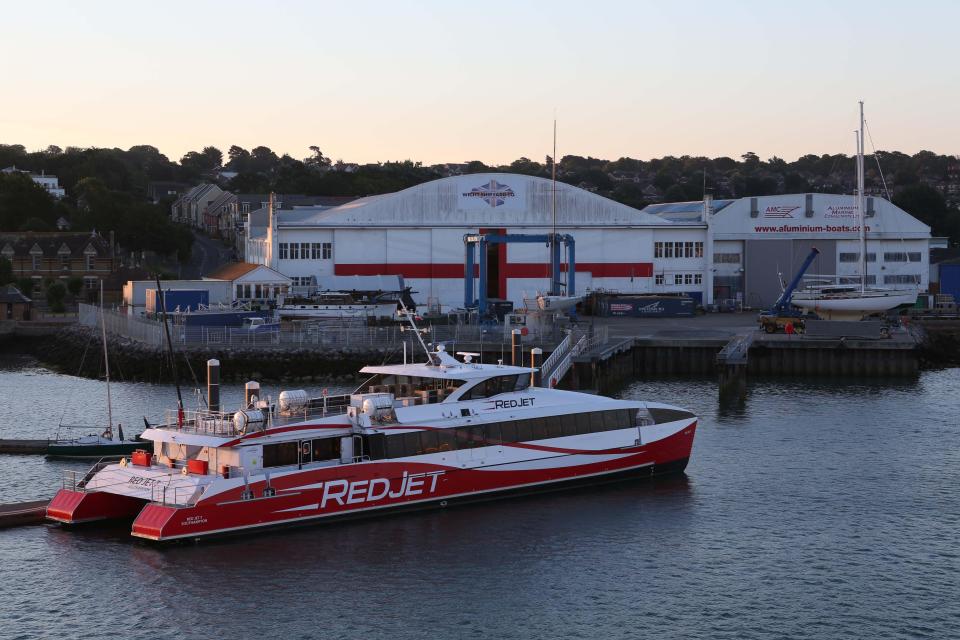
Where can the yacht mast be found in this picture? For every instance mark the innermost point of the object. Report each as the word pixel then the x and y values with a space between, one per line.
pixel 106 364
pixel 554 287
pixel 860 206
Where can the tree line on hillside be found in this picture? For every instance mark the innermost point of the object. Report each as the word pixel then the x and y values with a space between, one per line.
pixel 108 186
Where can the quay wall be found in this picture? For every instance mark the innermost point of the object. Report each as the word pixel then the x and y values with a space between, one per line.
pixel 78 350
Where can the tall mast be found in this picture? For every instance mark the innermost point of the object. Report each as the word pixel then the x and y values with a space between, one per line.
pixel 553 167
pixel 173 359
pixel 860 206
pixel 554 287
pixel 106 364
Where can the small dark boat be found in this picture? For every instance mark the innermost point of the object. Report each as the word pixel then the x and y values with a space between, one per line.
pixel 93 446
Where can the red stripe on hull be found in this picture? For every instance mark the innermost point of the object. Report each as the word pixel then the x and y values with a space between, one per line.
pixel 381 485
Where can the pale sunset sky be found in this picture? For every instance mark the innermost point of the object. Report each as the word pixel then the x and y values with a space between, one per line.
pixel 455 81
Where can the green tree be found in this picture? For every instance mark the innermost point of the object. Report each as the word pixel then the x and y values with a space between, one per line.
pixel 75 286
pixel 927 205
pixel 26 286
pixel 22 198
pixel 317 160
pixel 6 271
pixel 239 159
pixel 55 294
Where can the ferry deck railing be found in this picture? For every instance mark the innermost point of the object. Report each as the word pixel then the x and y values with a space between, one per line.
pixel 76 480
pixel 222 424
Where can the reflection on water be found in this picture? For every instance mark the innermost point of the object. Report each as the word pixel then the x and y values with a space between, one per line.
pixel 819 509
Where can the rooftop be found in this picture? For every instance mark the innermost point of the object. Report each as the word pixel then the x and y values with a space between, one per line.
pixel 449 369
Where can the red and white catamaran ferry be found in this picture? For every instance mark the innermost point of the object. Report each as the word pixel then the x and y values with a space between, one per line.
pixel 412 436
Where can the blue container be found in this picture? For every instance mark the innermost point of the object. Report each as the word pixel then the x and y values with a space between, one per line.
pixel 183 300
pixel 950 279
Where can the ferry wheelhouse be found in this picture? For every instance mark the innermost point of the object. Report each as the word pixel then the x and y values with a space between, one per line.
pixel 412 436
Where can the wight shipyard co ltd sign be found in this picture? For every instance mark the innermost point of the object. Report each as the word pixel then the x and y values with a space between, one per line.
pixel 494 193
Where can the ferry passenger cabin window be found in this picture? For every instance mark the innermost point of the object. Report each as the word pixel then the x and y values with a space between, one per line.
pixel 414 443
pixel 281 454
pixel 301 452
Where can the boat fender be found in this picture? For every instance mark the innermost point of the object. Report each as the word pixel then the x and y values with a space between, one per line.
pixel 123 462
pixel 183 471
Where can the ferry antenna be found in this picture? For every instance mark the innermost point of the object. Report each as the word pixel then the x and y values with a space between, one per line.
pixel 416 331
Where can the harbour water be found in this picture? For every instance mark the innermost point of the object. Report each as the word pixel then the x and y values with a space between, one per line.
pixel 818 510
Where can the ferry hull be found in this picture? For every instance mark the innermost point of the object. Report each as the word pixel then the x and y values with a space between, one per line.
pixel 75 507
pixel 374 488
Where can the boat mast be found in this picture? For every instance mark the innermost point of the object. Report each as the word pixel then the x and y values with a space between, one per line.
pixel 173 359
pixel 860 206
pixel 554 287
pixel 106 364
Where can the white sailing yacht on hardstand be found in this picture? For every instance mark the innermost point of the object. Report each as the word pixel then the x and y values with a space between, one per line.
pixel 852 301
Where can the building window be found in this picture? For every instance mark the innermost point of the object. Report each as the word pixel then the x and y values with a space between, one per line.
pixel 89 283
pixel 687 249
pixel 35 260
pixel 726 258
pixel 65 263
pixel 697 249
pixel 284 251
pixel 677 249
pixel 239 291
pixel 315 251
pixel 895 256
pixel 91 262
pixel 658 279
pixel 915 256
pixel 294 250
pixel 905 278
pixel 667 249
pixel 678 278
pixel 698 278
pixel 688 278
pixel 328 251
pixel 657 249
pixel 855 257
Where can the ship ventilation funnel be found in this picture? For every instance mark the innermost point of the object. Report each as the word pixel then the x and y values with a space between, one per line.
pixel 213 385
pixel 536 361
pixel 251 393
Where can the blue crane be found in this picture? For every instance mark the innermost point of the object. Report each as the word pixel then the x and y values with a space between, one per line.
pixel 781 308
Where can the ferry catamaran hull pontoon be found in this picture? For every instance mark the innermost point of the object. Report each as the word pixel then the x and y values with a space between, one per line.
pixel 414 436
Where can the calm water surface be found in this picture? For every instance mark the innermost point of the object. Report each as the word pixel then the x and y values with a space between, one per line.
pixel 818 510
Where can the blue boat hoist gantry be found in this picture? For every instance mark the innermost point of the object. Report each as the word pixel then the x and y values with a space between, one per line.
pixel 481 241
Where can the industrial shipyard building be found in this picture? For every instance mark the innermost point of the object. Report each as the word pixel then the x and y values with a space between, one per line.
pixel 724 251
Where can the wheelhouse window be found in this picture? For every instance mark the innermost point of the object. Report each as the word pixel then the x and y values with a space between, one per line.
pixel 495 386
pixel 418 390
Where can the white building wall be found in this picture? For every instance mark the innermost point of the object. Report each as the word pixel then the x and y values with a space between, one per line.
pixel 881 268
